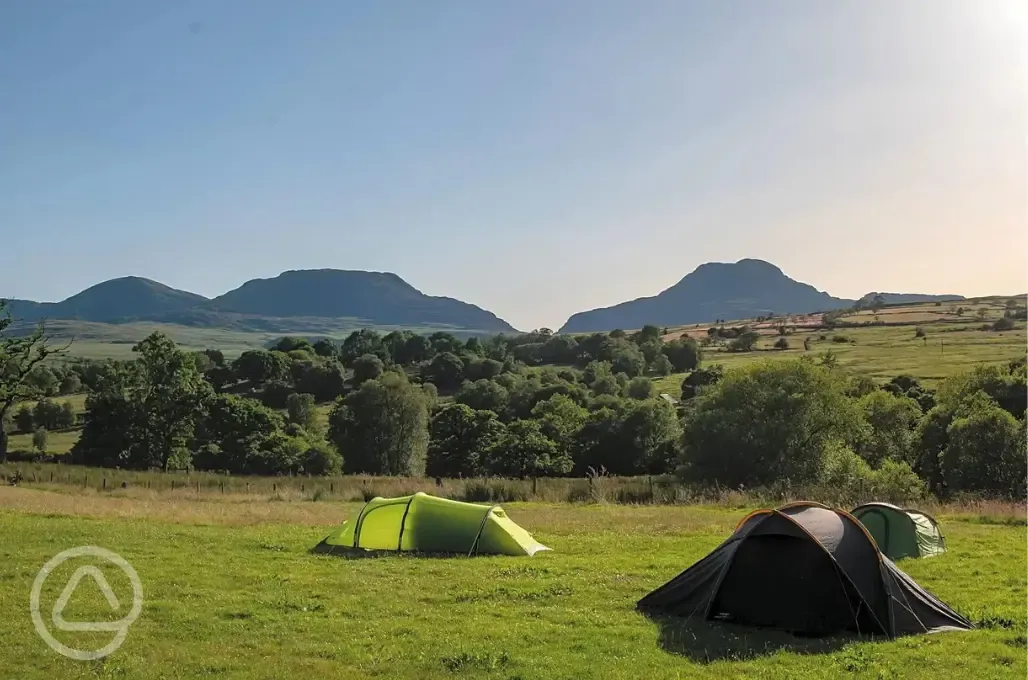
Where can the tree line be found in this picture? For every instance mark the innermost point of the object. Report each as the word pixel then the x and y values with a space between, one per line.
pixel 409 404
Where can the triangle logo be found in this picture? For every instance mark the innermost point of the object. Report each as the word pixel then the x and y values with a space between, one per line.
pixel 66 594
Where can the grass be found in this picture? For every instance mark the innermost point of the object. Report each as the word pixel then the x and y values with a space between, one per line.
pixel 115 341
pixel 950 343
pixel 230 591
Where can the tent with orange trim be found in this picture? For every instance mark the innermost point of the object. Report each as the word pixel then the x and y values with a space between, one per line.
pixel 808 569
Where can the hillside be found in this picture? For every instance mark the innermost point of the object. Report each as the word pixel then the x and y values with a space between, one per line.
pixel 717 290
pixel 381 298
pixel 294 301
pixel 114 301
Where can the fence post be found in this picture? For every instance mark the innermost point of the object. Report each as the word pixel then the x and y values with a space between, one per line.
pixel 274 487
pixel 248 487
pixel 85 481
pixel 301 488
pixel 331 487
pixel 535 481
pixel 51 476
pixel 198 486
pixel 222 484
pixel 173 485
pixel 104 485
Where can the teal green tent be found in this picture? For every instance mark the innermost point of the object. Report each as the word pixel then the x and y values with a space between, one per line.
pixel 901 532
pixel 427 524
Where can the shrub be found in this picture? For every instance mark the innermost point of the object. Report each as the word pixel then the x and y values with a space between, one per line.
pixel 781 343
pixel 918 332
pixel 1003 324
pixel 841 339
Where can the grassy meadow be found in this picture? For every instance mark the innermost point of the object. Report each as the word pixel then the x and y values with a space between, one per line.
pixel 949 344
pixel 230 591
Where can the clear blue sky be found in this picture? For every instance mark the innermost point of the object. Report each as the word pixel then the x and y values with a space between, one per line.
pixel 534 157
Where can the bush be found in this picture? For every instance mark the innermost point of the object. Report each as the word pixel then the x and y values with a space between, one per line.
pixel 918 332
pixel 39 439
pixel 322 459
pixel 781 343
pixel 841 339
pixel 1003 324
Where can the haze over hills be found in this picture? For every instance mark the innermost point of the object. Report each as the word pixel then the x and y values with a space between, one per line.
pixel 719 290
pixel 309 301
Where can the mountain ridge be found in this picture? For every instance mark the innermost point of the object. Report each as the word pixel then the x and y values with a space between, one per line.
pixel 371 298
pixel 725 290
pixel 315 298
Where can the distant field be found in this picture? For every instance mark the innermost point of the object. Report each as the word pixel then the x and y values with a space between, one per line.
pixel 115 341
pixel 950 344
pixel 231 591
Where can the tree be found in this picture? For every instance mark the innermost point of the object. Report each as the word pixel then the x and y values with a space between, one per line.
pixel 628 359
pixel 302 411
pixel 683 353
pixel 382 428
pixel 39 440
pixel 71 384
pixel 745 342
pixel 66 418
pixel 325 348
pixel 560 419
pixel 986 453
pixel 782 343
pixel 484 395
pixel 359 343
pixel 155 403
pixel 700 379
pixel 367 367
pixel 24 420
pixel 19 355
pixel 662 365
pixel 233 433
pixel 891 421
pixel 322 459
pixel 259 366
pixel 767 421
pixel 524 451
pixel 461 439
pixel 641 388
pixel 446 370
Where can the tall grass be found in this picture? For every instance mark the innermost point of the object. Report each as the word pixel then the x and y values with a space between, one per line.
pixel 595 489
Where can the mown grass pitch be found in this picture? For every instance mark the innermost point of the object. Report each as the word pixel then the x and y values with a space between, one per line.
pixel 234 594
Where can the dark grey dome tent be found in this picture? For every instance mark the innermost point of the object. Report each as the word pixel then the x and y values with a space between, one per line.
pixel 808 569
pixel 901 532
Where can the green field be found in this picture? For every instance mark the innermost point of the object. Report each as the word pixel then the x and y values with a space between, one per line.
pixel 231 592
pixel 950 343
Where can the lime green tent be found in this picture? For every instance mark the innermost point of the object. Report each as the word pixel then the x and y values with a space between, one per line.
pixel 423 523
pixel 901 532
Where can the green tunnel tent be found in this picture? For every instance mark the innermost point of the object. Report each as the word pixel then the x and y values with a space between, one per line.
pixel 901 532
pixel 427 524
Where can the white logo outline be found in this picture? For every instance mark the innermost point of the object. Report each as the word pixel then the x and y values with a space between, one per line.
pixel 56 615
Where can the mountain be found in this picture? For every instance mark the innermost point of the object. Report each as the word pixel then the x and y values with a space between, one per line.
pixel 114 301
pixel 382 298
pixel 719 290
pixel 293 300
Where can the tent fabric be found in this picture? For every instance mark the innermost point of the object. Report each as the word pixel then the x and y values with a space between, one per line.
pixel 804 568
pixel 423 523
pixel 901 532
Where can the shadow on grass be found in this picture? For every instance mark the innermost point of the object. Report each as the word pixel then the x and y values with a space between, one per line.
pixel 708 641
pixel 346 553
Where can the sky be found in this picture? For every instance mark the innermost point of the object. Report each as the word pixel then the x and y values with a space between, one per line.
pixel 535 158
